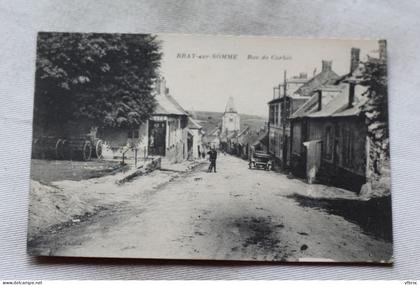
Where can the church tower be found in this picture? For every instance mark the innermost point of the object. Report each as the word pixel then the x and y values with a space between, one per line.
pixel 230 119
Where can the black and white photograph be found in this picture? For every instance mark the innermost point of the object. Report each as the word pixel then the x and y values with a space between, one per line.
pixel 206 147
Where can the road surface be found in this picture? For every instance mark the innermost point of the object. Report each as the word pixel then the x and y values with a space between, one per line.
pixel 234 214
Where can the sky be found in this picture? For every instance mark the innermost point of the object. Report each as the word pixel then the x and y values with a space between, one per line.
pixel 203 71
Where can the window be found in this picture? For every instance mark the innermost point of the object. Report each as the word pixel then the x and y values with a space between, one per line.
pixel 297 138
pixel 270 114
pixel 347 150
pixel 328 143
pixel 276 114
pixel 281 107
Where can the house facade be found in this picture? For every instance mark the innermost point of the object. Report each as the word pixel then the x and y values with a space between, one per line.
pixel 197 133
pixel 168 127
pixel 291 95
pixel 279 126
pixel 329 142
pixel 212 139
pixel 249 141
pixel 328 136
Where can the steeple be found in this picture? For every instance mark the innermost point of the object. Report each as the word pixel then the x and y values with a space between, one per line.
pixel 230 119
pixel 230 107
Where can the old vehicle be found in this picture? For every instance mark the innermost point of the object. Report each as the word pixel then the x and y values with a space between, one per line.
pixel 260 160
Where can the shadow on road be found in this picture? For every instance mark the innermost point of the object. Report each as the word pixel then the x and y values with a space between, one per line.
pixel 261 234
pixel 373 216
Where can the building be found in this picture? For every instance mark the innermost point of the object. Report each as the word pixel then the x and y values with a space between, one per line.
pixel 168 127
pixel 279 129
pixel 329 138
pixel 230 127
pixel 294 83
pixel 230 119
pixel 212 138
pixel 249 141
pixel 292 94
pixel 236 142
pixel 197 133
pixel 164 134
pixel 325 77
pixel 228 141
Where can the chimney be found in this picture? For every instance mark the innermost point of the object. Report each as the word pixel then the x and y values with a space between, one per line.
pixel 161 86
pixel 326 65
pixel 280 90
pixel 319 99
pixel 354 59
pixel 382 49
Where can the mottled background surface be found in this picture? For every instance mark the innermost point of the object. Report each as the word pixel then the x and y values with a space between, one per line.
pixel 396 21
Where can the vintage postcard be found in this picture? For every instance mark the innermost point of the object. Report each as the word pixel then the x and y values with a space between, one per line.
pixel 202 147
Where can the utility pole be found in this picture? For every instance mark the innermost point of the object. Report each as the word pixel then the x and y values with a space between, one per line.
pixel 278 122
pixel 272 116
pixel 284 149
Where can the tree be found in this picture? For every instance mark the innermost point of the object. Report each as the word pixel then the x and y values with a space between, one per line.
pixel 374 76
pixel 103 78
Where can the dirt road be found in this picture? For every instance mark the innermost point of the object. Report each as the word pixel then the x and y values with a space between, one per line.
pixel 234 214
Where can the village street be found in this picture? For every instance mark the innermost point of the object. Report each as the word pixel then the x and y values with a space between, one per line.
pixel 234 214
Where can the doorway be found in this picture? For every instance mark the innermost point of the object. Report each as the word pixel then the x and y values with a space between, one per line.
pixel 157 138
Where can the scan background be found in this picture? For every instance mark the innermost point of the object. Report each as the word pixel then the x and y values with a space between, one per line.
pixel 396 21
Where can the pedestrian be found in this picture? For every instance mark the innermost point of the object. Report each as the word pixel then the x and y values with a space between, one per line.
pixel 212 157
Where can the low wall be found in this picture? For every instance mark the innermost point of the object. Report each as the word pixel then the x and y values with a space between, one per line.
pixel 147 167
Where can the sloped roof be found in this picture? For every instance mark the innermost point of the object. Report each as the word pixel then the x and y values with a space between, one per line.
pixel 310 106
pixel 323 78
pixel 244 135
pixel 167 105
pixel 297 80
pixel 307 107
pixel 214 131
pixel 359 102
pixel 177 105
pixel 353 76
pixel 229 135
pixel 193 124
pixel 293 97
pixel 253 138
pixel 241 133
pixel 232 135
pixel 337 106
pixel 260 138
pixel 248 138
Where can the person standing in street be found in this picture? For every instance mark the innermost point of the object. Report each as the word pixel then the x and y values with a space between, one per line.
pixel 212 157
